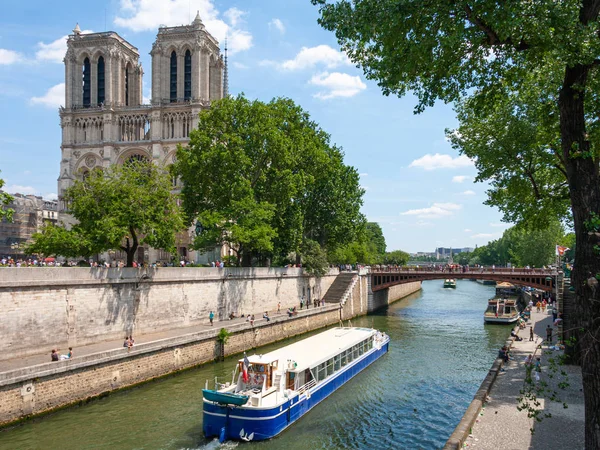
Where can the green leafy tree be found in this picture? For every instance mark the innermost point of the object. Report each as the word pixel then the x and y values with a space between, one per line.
pixel 463 258
pixel 397 257
pixel 533 247
pixel 5 199
pixel 314 258
pixel 495 53
pixel 280 182
pixel 375 238
pixel 121 208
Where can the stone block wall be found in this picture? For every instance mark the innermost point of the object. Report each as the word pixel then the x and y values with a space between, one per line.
pixel 45 308
pixel 387 296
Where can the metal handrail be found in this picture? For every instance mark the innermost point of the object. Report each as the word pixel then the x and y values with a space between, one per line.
pixel 312 383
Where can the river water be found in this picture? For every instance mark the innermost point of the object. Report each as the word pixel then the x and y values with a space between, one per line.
pixel 440 351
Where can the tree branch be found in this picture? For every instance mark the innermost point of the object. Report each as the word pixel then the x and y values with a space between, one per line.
pixel 493 38
pixel 536 190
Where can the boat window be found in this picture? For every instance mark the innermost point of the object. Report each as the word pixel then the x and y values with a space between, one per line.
pixel 344 358
pixel 355 352
pixel 361 348
pixel 337 363
pixel 330 367
pixel 321 372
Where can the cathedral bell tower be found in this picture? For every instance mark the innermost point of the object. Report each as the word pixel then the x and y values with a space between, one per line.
pixel 186 65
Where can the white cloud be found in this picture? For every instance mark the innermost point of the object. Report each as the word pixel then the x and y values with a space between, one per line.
pixel 144 15
pixel 499 225
pixel 468 192
pixel 438 161
pixel 278 24
pixel 337 84
pixel 459 178
pixel 239 65
pixel 310 57
pixel 9 57
pixel 468 230
pixel 234 16
pixel 53 98
pixel 50 196
pixel 363 174
pixel 19 189
pixel 435 211
pixel 55 50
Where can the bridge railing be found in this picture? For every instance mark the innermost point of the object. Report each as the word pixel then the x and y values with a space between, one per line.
pixel 473 270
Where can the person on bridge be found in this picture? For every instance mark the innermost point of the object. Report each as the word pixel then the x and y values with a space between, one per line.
pixel 211 317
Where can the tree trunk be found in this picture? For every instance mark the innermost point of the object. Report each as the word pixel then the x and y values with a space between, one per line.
pixel 582 175
pixel 131 248
pixel 247 259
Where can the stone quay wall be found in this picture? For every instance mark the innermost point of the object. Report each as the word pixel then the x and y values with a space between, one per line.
pixel 61 307
pixel 46 387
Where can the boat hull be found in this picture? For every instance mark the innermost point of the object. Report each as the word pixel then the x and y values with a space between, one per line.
pixel 230 422
pixel 501 320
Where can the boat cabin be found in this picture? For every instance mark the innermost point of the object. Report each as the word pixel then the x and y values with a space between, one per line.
pixel 505 290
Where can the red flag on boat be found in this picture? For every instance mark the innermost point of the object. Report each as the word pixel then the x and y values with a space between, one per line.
pixel 246 364
pixel 560 251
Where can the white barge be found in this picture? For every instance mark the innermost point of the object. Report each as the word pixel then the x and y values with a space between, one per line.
pixel 269 392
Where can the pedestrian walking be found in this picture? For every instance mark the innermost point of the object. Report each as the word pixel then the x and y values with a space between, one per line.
pixel 278 307
pixel 531 333
pixel 211 317
pixel 549 334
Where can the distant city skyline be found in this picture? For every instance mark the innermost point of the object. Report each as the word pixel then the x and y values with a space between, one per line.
pixel 418 188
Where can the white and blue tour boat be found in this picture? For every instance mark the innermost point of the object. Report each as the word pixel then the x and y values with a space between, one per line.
pixel 270 392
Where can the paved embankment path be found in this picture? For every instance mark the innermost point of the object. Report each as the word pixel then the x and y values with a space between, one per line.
pixel 103 346
pixel 501 426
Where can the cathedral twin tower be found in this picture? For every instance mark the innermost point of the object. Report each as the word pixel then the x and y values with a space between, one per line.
pixel 105 121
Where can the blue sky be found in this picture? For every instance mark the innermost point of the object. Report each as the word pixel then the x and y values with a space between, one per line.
pixel 417 187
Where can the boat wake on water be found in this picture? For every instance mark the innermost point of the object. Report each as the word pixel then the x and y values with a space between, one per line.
pixel 216 445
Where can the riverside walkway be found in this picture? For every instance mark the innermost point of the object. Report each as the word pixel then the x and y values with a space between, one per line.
pixel 501 426
pixel 141 340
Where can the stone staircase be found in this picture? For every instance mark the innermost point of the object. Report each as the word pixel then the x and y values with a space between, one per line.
pixel 341 288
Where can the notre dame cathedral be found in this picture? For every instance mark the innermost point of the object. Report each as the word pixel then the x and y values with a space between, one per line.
pixel 105 121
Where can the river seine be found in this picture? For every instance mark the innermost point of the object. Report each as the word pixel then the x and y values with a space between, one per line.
pixel 411 398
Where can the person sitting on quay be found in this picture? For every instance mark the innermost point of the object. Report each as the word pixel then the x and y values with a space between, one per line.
pixel 252 320
pixel 503 353
pixel 54 355
pixel 266 316
pixel 516 336
pixel 232 315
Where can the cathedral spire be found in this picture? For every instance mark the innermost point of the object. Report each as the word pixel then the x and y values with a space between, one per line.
pixel 197 21
pixel 225 74
pixel 77 30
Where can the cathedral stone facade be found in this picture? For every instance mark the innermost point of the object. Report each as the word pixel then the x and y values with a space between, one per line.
pixel 105 120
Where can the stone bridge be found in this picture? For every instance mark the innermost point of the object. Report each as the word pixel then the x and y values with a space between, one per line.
pixel 544 279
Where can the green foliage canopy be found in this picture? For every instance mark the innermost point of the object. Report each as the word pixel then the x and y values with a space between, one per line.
pixel 119 208
pixel 264 178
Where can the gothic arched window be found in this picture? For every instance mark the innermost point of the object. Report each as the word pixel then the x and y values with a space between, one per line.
pixel 87 82
pixel 101 80
pixel 173 83
pixel 127 86
pixel 187 71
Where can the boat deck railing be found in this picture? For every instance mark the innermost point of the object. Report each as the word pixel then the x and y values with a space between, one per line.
pixel 305 387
